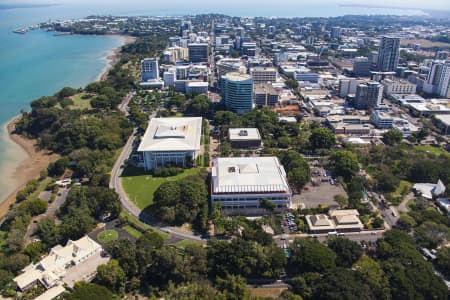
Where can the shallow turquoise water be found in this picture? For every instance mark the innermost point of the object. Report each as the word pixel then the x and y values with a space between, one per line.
pixel 39 63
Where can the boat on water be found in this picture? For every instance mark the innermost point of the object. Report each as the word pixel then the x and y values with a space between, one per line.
pixel 20 31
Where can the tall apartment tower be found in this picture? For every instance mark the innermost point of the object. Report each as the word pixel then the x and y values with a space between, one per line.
pixel 388 54
pixel 336 32
pixel 368 95
pixel 439 78
pixel 186 26
pixel 149 69
pixel 237 92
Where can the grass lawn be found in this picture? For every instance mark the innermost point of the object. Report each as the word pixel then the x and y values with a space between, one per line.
pixel 79 102
pixel 144 227
pixel 267 292
pixel 133 231
pixel 433 150
pixel 399 194
pixel 107 236
pixel 140 186
pixel 185 243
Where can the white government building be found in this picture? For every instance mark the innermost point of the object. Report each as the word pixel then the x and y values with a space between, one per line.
pixel 171 140
pixel 238 183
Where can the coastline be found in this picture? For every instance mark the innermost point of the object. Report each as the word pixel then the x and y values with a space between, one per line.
pixel 113 56
pixel 26 161
pixel 27 168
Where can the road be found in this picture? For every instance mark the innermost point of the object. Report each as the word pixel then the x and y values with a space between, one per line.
pixel 116 184
pixel 389 214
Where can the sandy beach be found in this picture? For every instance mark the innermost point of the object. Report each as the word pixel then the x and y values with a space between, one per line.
pixel 113 57
pixel 25 161
pixel 29 167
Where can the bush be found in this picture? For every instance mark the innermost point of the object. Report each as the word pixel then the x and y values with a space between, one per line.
pixel 66 102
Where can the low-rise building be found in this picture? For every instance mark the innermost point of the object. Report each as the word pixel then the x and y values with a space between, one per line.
pixel 346 220
pixel 244 137
pixel 381 120
pixel 199 87
pixel 305 74
pixel 319 223
pixel 444 204
pixel 349 125
pixel 337 221
pixel 52 270
pixel 171 140
pixel 443 122
pixel 239 183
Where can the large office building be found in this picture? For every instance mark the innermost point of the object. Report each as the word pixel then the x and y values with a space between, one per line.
pixel 239 183
pixel 368 95
pixel 227 65
pixel 198 52
pixel 266 95
pixel 398 87
pixel 237 92
pixel 149 69
pixel 388 54
pixel 305 74
pixel 263 75
pixel 171 140
pixel 362 66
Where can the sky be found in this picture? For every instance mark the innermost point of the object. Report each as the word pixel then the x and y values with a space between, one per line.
pixel 426 4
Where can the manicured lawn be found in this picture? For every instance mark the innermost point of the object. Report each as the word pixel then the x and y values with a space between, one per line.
pixel 144 227
pixel 185 243
pixel 434 150
pixel 140 186
pixel 80 103
pixel 107 236
pixel 133 231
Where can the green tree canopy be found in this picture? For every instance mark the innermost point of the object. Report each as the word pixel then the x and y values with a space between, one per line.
pixel 344 163
pixel 309 255
pixel 392 137
pixel 322 138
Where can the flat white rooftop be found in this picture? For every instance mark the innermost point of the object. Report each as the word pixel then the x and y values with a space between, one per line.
pixel 248 175
pixel 244 134
pixel 172 134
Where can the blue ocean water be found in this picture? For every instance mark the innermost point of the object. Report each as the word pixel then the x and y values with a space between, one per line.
pixel 39 63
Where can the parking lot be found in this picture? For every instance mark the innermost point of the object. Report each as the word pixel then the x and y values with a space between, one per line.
pixel 288 224
pixel 85 270
pixel 323 194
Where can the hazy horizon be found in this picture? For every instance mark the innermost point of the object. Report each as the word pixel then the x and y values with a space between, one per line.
pixel 133 4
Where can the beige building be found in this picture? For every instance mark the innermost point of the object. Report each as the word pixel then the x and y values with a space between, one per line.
pixel 346 220
pixel 337 221
pixel 52 270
